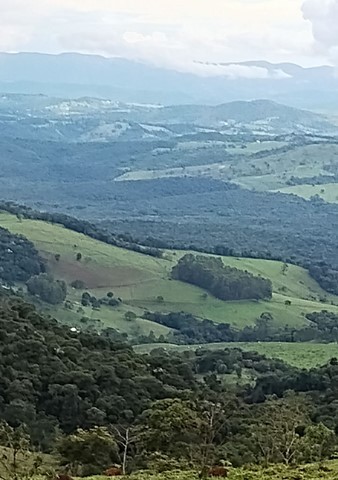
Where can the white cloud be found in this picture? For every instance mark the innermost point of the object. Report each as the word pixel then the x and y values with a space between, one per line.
pixel 180 34
pixel 323 15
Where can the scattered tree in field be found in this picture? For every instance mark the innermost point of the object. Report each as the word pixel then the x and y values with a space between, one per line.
pixel 79 256
pixel 78 284
pixel 285 268
pixel 130 316
pixel 57 257
pixel 160 299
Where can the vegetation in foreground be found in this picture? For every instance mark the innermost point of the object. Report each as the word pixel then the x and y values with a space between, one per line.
pixel 96 402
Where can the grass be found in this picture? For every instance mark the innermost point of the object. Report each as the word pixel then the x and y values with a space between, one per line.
pixel 327 191
pixel 139 280
pixel 301 355
pixel 269 173
pixel 325 471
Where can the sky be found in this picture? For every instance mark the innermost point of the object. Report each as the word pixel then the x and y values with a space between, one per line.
pixel 179 34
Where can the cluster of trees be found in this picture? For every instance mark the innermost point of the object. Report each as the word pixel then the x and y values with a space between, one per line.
pixel 88 300
pixel 19 258
pixel 96 401
pixel 47 288
pixel 188 330
pixel 223 282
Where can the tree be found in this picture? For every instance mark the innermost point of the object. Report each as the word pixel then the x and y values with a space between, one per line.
pixel 16 460
pixel 277 429
pixel 173 427
pixel 57 257
pixel 160 299
pixel 88 452
pixel 125 437
pixel 78 284
pixel 130 316
pixel 49 290
pixel 285 268
pixel 78 256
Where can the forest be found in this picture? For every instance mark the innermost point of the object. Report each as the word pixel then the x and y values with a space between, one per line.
pixel 78 393
pixel 224 282
pixel 19 258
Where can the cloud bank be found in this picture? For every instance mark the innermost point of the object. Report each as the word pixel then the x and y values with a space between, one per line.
pixel 323 15
pixel 194 36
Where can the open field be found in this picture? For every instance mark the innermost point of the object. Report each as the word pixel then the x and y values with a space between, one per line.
pixel 139 280
pixel 268 173
pixel 301 355
pixel 327 191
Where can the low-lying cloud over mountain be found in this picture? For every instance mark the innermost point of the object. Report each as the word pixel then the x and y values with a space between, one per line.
pixel 76 75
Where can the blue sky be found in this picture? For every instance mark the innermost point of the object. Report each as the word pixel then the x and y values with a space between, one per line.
pixel 177 33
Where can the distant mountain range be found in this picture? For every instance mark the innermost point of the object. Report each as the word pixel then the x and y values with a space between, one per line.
pixel 90 119
pixel 74 75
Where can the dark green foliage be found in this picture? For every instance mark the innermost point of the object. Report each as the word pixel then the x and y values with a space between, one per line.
pixel 223 282
pixel 189 330
pixel 19 259
pixel 88 300
pixel 49 290
pixel 78 284
pixel 88 452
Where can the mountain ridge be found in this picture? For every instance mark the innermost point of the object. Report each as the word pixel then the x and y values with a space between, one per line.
pixel 70 74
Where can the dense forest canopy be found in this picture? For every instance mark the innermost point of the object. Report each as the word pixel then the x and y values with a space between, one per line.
pixel 54 379
pixel 224 282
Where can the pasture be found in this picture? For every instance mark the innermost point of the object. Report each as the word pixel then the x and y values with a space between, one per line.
pixel 301 355
pixel 143 283
pixel 327 191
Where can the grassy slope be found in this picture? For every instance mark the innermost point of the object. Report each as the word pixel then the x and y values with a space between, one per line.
pixel 140 279
pixel 302 355
pixel 268 173
pixel 327 191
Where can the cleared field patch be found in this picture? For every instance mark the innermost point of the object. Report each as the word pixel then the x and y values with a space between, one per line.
pixel 301 355
pixel 327 191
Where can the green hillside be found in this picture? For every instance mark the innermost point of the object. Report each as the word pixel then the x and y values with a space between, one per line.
pixel 140 280
pixel 301 355
pixel 326 191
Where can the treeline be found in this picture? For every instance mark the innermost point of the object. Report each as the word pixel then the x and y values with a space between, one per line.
pixel 322 271
pixel 322 327
pixel 81 226
pixel 225 283
pixel 79 393
pixel 19 259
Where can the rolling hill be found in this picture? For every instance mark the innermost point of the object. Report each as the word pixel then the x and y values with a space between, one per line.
pixel 141 281
pixel 130 81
